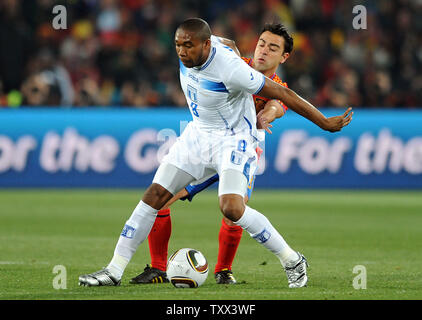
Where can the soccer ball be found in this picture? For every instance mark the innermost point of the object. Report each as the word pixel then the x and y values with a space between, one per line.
pixel 187 268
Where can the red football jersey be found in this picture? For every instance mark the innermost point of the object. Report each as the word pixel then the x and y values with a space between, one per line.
pixel 260 101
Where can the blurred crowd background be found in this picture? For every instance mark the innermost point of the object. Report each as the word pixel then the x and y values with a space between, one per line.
pixel 121 53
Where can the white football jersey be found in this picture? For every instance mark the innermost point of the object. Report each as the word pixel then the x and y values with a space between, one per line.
pixel 219 93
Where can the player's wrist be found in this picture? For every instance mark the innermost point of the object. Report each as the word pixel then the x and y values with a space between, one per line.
pixel 324 123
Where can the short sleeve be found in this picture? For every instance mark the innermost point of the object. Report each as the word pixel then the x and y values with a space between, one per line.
pixel 241 77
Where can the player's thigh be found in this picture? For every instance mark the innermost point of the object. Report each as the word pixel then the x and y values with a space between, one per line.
pixel 237 165
pixel 232 182
pixel 231 192
pixel 172 178
pixel 185 154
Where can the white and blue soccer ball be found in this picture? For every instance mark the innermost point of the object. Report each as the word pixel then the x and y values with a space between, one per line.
pixel 187 268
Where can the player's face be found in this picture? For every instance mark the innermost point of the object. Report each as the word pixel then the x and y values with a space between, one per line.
pixel 269 52
pixel 191 50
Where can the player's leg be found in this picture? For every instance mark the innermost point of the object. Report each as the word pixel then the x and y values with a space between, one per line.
pixel 168 180
pixel 232 205
pixel 159 236
pixel 228 241
pixel 158 240
pixel 229 238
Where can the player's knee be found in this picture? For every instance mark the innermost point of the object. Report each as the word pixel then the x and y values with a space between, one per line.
pixel 228 222
pixel 232 207
pixel 156 196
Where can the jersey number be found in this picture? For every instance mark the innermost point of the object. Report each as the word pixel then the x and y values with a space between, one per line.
pixel 193 106
pixel 241 146
pixel 193 95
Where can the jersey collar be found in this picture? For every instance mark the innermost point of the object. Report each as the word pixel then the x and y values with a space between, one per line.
pixel 209 59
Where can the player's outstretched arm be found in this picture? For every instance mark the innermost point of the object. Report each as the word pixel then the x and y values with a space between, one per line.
pixel 271 111
pixel 273 90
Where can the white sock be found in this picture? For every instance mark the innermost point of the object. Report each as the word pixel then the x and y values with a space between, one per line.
pixel 287 255
pixel 261 229
pixel 117 265
pixel 135 231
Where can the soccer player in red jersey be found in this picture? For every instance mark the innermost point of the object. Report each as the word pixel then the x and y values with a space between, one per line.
pixel 273 48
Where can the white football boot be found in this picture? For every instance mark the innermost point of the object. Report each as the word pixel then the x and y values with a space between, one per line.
pixel 296 272
pixel 99 278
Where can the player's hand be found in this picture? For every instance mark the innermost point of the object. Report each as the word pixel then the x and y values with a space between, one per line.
pixel 334 124
pixel 262 122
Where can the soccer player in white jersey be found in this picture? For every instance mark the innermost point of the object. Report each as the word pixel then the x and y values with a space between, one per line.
pixel 272 49
pixel 221 139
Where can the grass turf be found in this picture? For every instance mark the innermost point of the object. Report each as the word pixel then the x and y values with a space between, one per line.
pixel 336 230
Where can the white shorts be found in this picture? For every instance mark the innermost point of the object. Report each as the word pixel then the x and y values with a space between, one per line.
pixel 202 153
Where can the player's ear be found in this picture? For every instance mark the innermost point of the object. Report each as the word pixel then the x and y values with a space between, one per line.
pixel 207 43
pixel 284 57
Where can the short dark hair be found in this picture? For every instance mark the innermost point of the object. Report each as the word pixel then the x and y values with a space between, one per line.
pixel 281 30
pixel 197 25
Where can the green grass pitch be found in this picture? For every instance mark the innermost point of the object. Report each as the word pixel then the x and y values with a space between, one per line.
pixel 335 230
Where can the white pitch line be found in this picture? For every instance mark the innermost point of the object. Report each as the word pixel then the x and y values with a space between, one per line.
pixel 11 262
pixel 21 262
